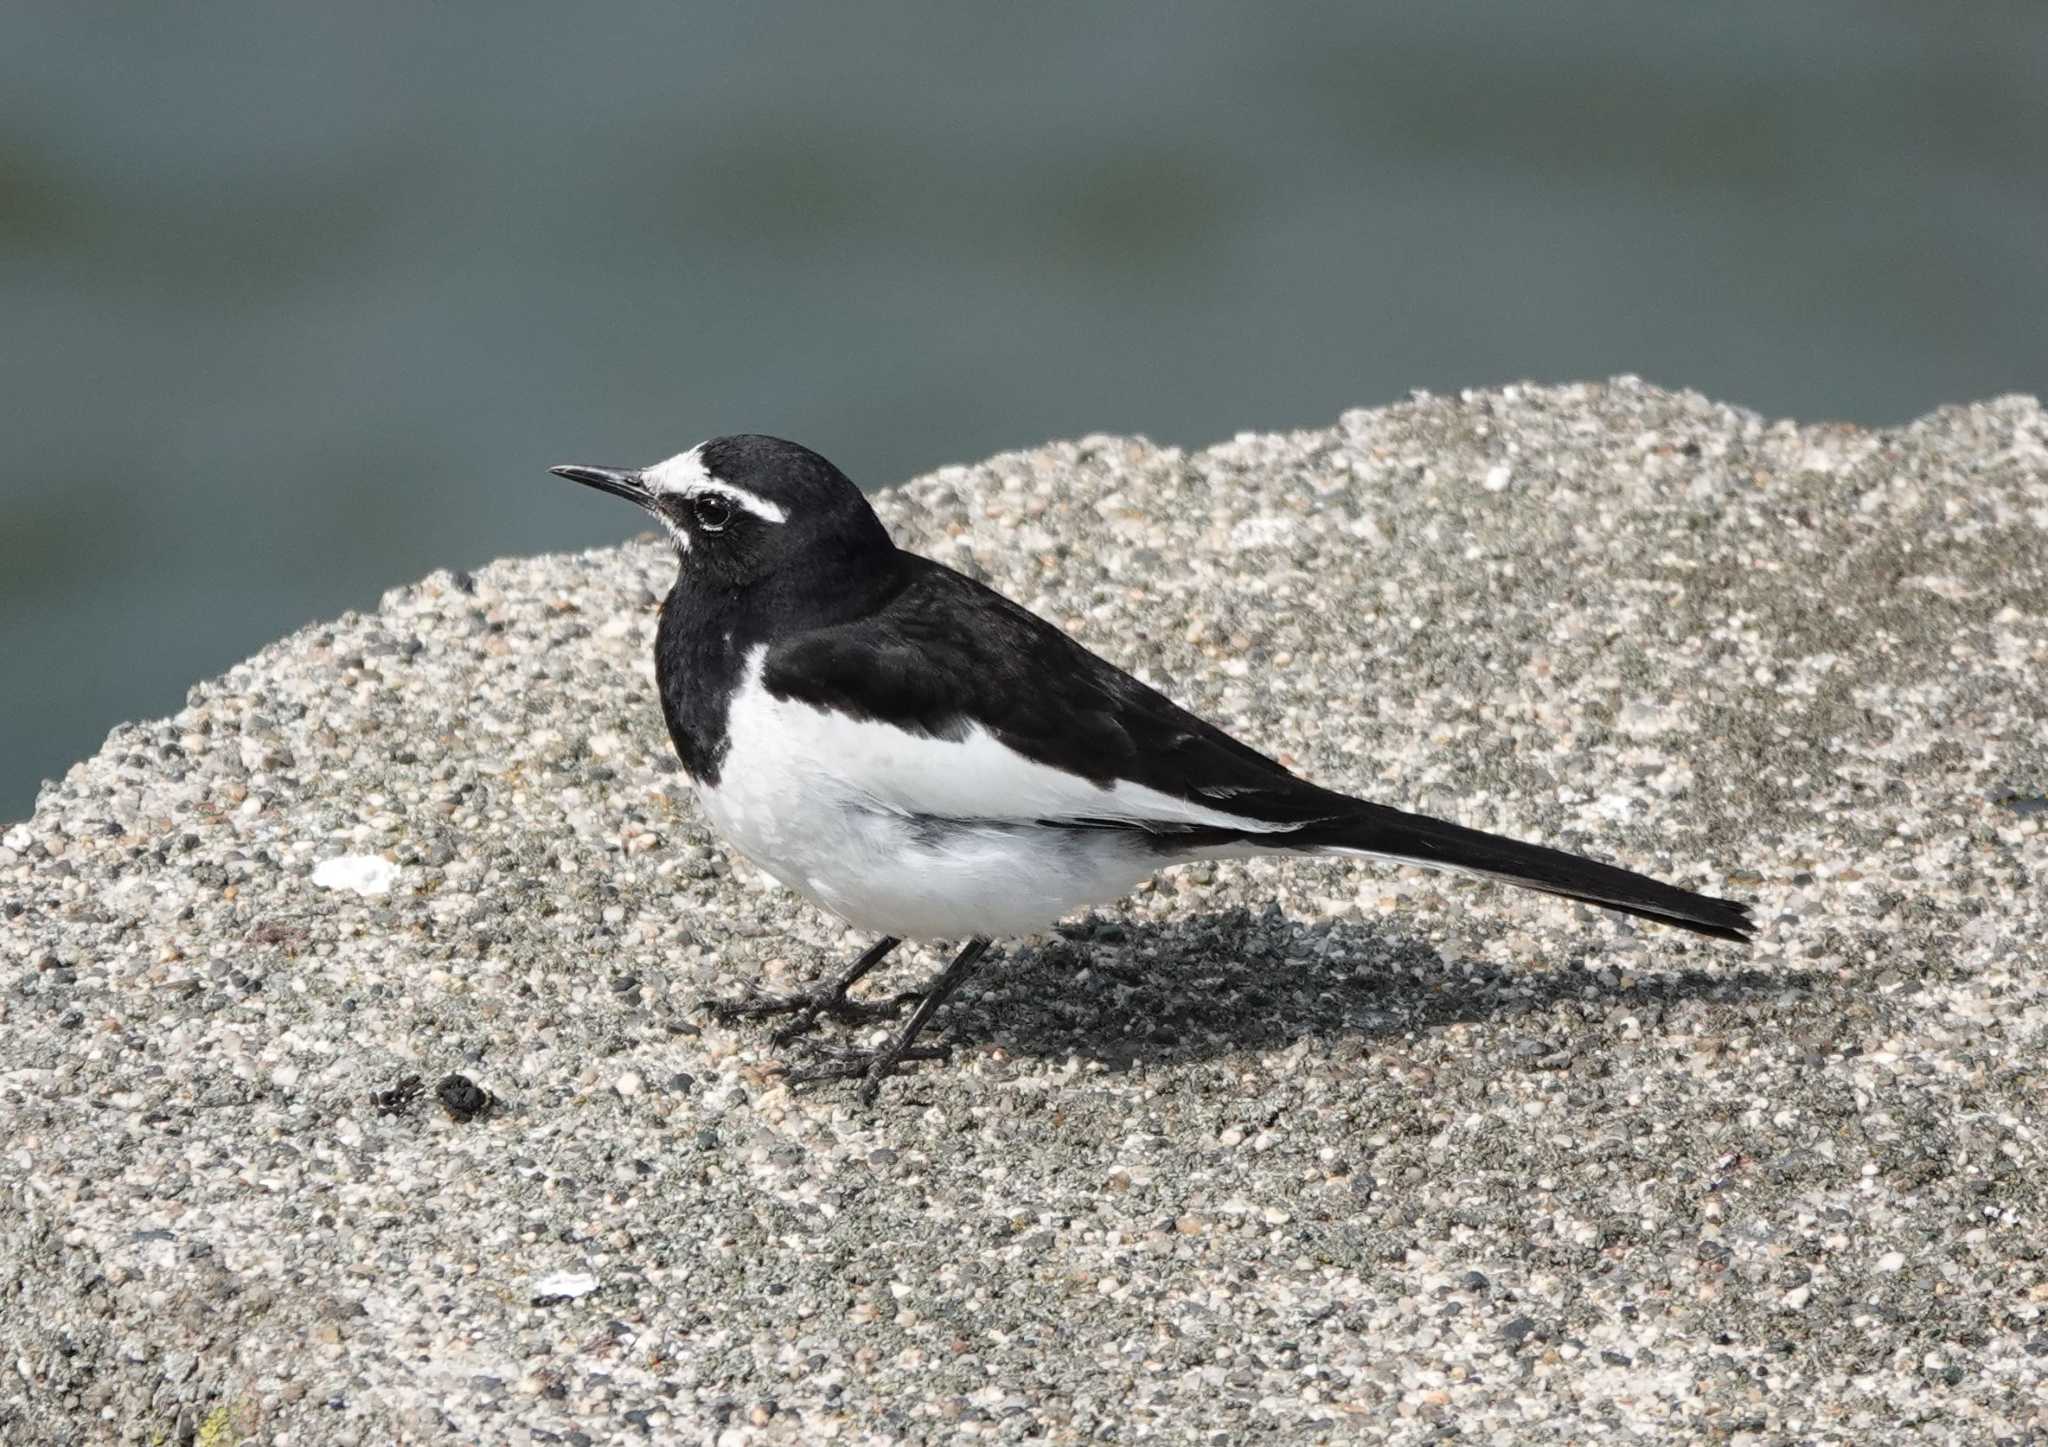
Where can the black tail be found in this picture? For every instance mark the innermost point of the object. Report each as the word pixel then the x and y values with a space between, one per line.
pixel 1418 839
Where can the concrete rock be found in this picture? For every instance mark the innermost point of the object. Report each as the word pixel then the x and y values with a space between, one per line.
pixel 1320 1151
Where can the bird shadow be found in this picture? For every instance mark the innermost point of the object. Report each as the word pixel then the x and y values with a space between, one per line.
pixel 1129 994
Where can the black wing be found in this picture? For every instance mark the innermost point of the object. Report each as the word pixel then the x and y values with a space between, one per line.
pixel 944 653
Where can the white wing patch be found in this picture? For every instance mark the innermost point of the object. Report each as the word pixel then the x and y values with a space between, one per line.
pixel 784 751
pixel 684 474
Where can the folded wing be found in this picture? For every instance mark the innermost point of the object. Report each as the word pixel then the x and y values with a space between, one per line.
pixel 1019 722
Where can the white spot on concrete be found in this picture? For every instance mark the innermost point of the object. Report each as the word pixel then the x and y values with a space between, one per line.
pixel 565 1283
pixel 362 873
pixel 1646 720
pixel 1263 531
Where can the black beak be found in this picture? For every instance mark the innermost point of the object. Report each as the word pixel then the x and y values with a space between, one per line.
pixel 619 483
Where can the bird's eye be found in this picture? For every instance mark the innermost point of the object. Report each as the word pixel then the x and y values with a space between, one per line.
pixel 712 512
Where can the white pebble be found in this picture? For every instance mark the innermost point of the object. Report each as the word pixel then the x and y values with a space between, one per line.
pixel 565 1283
pixel 362 873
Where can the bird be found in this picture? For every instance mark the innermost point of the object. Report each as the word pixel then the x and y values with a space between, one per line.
pixel 928 760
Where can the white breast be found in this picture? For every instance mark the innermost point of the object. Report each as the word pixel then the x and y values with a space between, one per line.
pixel 924 838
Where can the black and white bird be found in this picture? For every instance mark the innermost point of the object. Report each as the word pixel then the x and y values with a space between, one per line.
pixel 924 758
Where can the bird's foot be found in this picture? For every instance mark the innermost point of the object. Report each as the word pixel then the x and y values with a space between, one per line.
pixel 808 1007
pixel 870 1067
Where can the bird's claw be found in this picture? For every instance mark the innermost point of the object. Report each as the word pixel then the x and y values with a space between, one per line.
pixel 870 1067
pixel 808 1006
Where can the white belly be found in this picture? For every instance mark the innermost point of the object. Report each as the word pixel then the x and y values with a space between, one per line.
pixel 922 838
pixel 922 879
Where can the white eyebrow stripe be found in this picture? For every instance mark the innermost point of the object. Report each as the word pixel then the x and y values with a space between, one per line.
pixel 754 503
pixel 684 474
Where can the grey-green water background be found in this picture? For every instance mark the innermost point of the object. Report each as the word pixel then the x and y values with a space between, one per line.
pixel 299 302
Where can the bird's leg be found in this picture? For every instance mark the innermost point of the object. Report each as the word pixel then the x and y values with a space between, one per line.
pixel 870 1066
pixel 808 1005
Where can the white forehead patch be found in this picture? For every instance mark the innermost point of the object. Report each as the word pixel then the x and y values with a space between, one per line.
pixel 684 474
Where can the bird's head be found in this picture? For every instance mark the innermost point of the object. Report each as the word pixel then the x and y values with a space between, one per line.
pixel 742 508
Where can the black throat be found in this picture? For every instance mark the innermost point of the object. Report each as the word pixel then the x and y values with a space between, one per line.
pixel 708 629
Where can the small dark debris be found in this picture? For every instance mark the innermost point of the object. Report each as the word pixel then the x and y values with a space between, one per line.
pixel 463 1098
pixel 1517 1331
pixel 398 1097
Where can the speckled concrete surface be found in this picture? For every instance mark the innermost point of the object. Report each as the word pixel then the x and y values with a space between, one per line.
pixel 1291 1151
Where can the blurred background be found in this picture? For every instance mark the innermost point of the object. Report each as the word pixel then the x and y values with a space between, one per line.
pixel 298 303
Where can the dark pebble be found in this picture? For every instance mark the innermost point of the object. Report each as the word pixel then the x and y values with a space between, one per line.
pixel 462 1098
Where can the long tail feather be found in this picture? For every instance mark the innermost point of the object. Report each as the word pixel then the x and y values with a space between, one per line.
pixel 1382 833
